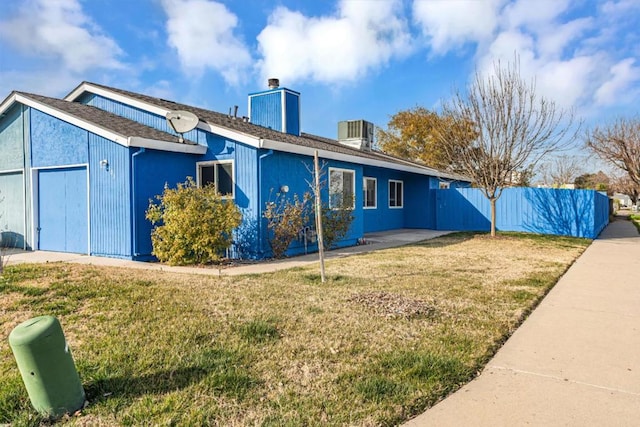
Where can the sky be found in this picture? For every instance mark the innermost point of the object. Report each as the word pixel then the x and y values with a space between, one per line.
pixel 349 59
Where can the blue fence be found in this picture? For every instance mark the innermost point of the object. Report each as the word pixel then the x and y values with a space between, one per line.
pixel 579 213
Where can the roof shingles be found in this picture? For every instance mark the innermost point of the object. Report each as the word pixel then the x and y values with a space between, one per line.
pixel 103 119
pixel 239 125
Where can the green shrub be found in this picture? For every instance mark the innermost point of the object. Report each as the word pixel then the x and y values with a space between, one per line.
pixel 285 219
pixel 193 225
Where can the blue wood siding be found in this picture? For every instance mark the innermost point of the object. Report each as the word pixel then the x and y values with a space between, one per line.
pixel 292 111
pixel 12 139
pixel 150 171
pixel 12 210
pixel 55 142
pixel 246 189
pixel 580 213
pixel 266 110
pixel 419 209
pixel 278 169
pixel 110 198
pixel 384 217
pixel 62 203
pixel 146 118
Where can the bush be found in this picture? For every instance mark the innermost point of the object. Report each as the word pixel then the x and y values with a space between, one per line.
pixel 285 219
pixel 336 221
pixel 193 225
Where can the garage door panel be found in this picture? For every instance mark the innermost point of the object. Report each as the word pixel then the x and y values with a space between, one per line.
pixel 12 209
pixel 62 205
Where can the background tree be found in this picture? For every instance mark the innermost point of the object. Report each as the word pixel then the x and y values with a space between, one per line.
pixel 514 129
pixel 624 185
pixel 415 135
pixel 561 170
pixel 593 181
pixel 619 144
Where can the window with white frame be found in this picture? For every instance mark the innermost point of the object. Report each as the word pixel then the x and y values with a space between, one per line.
pixel 369 192
pixel 342 188
pixel 395 194
pixel 219 174
pixel 444 185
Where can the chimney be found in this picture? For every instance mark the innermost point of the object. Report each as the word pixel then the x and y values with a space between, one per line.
pixel 273 83
pixel 277 108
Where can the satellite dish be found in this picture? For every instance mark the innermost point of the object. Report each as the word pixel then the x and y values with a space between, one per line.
pixel 182 121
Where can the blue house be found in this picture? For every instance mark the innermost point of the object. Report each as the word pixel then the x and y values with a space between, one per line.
pixel 77 174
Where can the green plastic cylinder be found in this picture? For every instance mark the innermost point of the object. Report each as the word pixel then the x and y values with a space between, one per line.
pixel 46 366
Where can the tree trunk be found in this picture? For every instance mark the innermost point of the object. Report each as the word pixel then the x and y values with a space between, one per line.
pixel 493 217
pixel 316 192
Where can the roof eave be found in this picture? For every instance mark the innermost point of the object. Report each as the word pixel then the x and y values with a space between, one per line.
pixel 352 158
pixel 135 141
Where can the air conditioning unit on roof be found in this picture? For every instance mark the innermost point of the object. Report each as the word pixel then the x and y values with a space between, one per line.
pixel 356 134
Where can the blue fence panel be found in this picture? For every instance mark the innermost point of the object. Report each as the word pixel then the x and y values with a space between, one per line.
pixel 601 216
pixel 580 213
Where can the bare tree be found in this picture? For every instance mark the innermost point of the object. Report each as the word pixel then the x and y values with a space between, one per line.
pixel 619 144
pixel 514 129
pixel 624 185
pixel 561 170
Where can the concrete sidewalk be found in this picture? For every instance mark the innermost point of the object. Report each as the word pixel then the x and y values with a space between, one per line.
pixel 375 241
pixel 575 361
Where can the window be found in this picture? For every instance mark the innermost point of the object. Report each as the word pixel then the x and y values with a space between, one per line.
pixel 444 185
pixel 395 194
pixel 370 200
pixel 341 188
pixel 219 174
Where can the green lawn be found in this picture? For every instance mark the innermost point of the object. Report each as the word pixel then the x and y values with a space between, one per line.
pixel 389 334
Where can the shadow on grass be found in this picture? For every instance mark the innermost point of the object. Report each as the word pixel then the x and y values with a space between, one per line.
pixel 448 239
pixel 135 386
pixel 217 370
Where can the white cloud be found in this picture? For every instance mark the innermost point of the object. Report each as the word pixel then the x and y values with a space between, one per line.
pixel 452 23
pixel 567 82
pixel 577 60
pixel 554 39
pixel 621 6
pixel 622 76
pixel 59 29
pixel 358 38
pixel 533 13
pixel 202 32
pixel 48 82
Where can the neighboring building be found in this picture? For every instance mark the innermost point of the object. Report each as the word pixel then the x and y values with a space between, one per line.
pixel 77 174
pixel 624 201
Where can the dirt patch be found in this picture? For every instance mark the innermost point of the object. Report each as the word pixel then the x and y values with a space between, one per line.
pixel 393 305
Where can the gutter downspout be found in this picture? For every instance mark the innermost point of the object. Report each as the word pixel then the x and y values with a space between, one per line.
pixel 133 198
pixel 262 156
